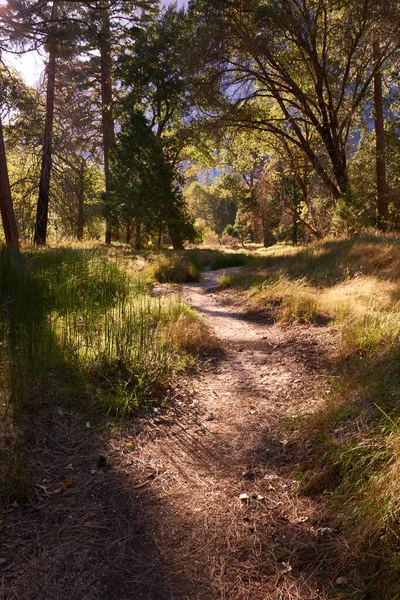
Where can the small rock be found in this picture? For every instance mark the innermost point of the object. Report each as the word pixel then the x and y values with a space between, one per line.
pixel 244 497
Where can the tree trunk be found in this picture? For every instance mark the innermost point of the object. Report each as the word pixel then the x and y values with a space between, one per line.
pixel 81 198
pixel 42 210
pixel 138 245
pixel 128 232
pixel 314 228
pixel 6 205
pixel 176 238
pixel 381 183
pixel 106 105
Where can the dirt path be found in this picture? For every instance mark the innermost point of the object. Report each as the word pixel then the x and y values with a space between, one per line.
pixel 198 503
pixel 233 439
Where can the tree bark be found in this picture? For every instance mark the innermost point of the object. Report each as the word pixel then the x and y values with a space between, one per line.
pixel 128 232
pixel 81 198
pixel 381 183
pixel 176 238
pixel 6 205
pixel 42 209
pixel 106 105
pixel 138 245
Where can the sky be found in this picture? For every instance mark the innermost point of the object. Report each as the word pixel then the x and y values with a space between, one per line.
pixel 31 64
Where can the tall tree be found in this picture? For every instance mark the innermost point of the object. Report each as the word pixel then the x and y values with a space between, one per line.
pixel 104 40
pixel 109 21
pixel 311 58
pixel 42 209
pixel 154 78
pixel 143 185
pixel 17 104
pixel 77 141
pixel 6 205
pixel 381 183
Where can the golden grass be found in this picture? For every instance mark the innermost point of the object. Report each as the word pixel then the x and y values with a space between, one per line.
pixel 355 440
pixel 190 334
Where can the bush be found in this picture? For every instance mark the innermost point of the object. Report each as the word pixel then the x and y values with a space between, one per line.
pixel 222 261
pixel 175 269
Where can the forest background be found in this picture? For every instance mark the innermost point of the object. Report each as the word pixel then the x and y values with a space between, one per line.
pixel 253 126
pixel 151 124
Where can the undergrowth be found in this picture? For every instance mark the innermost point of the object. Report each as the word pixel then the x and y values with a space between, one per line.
pixel 76 328
pixel 186 266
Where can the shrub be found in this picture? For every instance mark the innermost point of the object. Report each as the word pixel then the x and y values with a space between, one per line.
pixel 222 261
pixel 175 269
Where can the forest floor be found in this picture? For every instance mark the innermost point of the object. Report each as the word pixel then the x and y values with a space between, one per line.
pixel 196 502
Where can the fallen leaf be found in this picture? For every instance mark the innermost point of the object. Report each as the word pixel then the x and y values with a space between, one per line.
pixel 69 467
pixel 341 581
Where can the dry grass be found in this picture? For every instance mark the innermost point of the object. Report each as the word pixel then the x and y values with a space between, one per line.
pixel 354 286
pixel 188 333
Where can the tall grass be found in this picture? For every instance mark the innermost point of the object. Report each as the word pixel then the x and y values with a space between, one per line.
pixel 77 321
pixel 78 329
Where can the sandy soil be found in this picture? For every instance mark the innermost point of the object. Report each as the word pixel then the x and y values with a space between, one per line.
pixel 198 502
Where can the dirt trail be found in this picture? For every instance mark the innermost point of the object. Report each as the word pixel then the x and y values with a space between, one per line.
pixel 230 440
pixel 166 517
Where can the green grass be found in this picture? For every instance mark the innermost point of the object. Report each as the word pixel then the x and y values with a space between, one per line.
pixel 222 261
pixel 187 265
pixel 77 328
pixel 174 269
pixel 226 281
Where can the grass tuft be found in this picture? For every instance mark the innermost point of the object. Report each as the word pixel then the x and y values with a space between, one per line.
pixel 174 269
pixel 226 281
